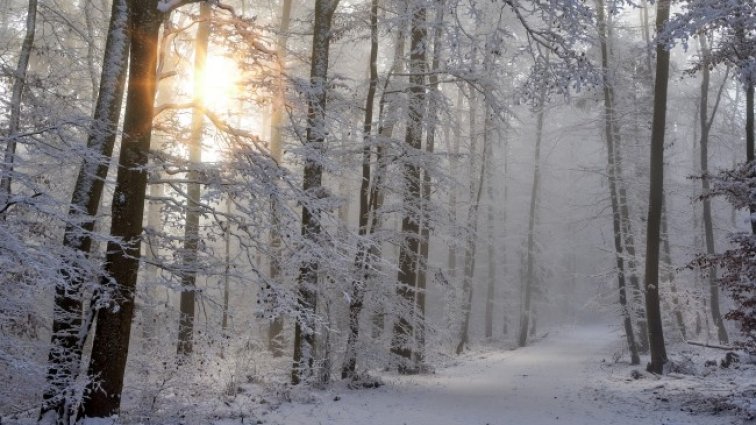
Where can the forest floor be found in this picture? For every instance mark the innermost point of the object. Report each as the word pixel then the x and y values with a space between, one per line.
pixel 575 375
pixel 569 377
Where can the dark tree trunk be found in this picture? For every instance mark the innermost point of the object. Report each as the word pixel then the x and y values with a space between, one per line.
pixel 68 330
pixel 191 226
pixel 656 190
pixel 304 331
pixel 403 334
pixel 116 298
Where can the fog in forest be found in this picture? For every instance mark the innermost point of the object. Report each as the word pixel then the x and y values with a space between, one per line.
pixel 377 211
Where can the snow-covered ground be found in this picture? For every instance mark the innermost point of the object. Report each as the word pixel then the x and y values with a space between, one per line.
pixel 568 377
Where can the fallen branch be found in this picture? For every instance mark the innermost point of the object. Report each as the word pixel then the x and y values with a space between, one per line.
pixel 707 345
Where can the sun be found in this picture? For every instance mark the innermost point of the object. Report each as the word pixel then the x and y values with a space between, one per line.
pixel 218 93
pixel 219 83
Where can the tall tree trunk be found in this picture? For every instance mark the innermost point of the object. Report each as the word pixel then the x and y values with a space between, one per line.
pixel 476 190
pixel 750 135
pixel 403 334
pixel 17 94
pixel 656 190
pixel 491 292
pixel 609 134
pixel 116 301
pixel 363 261
pixel 453 167
pixel 191 226
pixel 387 120
pixel 68 333
pixel 430 142
pixel 530 261
pixel 304 331
pixel 705 123
pixel 275 330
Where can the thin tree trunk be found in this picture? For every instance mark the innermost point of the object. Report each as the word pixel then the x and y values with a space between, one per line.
pixel 609 134
pixel 191 226
pixel 387 121
pixel 17 94
pixel 430 142
pixel 304 331
pixel 453 166
pixel 227 271
pixel 68 330
pixel 476 190
pixel 750 135
pixel 656 190
pixel 403 334
pixel 363 261
pixel 491 292
pixel 275 344
pixel 669 274
pixel 705 123
pixel 116 303
pixel 530 262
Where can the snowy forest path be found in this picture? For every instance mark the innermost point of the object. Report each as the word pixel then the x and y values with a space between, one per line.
pixel 557 380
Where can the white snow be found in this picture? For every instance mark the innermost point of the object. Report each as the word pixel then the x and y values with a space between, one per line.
pixel 567 378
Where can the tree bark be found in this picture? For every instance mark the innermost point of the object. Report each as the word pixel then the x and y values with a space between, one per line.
pixel 656 190
pixel 68 329
pixel 115 304
pixel 304 331
pixel 403 333
pixel 194 190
